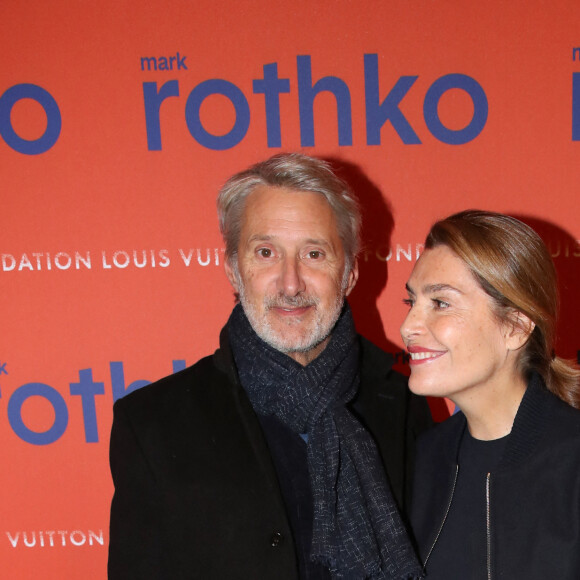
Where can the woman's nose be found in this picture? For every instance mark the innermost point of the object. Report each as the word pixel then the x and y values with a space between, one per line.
pixel 412 325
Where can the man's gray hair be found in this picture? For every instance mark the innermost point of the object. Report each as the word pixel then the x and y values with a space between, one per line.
pixel 297 172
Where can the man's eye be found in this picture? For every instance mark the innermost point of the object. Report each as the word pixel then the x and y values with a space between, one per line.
pixel 265 252
pixel 314 254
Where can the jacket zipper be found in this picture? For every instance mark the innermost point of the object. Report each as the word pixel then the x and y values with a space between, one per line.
pixel 488 522
pixel 444 517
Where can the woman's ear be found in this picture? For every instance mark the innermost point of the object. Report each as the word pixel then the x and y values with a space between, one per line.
pixel 518 329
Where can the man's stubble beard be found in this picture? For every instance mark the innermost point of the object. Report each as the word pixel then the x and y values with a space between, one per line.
pixel 317 332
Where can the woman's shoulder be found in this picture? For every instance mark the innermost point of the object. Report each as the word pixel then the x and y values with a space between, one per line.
pixel 539 401
pixel 564 419
pixel 442 436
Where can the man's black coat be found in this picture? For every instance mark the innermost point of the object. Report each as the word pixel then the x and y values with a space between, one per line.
pixel 196 492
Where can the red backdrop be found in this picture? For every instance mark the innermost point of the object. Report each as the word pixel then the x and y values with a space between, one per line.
pixel 119 122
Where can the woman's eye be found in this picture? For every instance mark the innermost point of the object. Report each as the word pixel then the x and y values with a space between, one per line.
pixel 408 302
pixel 440 304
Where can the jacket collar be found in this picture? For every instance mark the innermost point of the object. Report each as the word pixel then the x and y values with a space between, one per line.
pixel 224 358
pixel 529 423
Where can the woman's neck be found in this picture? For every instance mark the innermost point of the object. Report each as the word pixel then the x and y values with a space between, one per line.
pixel 491 411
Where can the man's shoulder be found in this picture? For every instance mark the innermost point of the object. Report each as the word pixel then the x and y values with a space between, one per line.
pixel 377 369
pixel 385 392
pixel 171 389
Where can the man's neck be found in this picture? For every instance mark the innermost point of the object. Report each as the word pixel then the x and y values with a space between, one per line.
pixel 306 357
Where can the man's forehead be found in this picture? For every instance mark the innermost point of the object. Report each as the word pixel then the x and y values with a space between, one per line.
pixel 300 207
pixel 278 214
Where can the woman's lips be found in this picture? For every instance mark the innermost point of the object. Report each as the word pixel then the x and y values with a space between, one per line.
pixel 421 355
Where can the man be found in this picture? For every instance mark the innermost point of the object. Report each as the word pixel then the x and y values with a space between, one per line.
pixel 260 461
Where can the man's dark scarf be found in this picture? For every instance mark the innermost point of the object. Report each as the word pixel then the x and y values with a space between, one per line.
pixel 357 530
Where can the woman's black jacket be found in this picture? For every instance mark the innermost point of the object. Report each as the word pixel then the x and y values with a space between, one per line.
pixel 534 493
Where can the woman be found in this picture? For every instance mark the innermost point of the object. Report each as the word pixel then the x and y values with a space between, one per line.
pixel 497 486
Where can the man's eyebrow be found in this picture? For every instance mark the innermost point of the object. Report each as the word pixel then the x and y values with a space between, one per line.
pixel 317 242
pixel 260 238
pixel 269 238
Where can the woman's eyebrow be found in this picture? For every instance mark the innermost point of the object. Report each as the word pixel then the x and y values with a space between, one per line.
pixel 433 288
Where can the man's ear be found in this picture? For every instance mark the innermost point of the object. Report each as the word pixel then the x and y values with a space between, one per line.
pixel 352 277
pixel 230 273
pixel 518 330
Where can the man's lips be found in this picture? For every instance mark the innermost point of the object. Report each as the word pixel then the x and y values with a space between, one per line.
pixel 283 310
pixel 422 355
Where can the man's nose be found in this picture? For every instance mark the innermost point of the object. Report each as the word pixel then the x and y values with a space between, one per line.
pixel 291 282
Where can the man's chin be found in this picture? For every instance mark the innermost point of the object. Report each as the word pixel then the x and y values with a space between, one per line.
pixel 288 344
pixel 289 335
